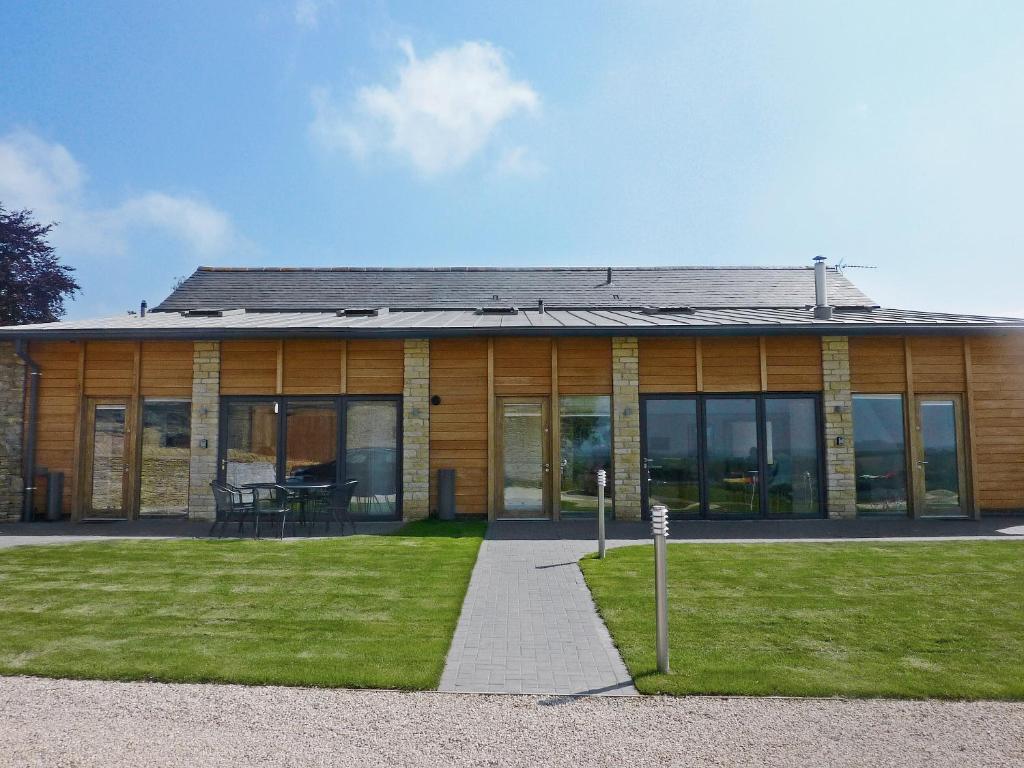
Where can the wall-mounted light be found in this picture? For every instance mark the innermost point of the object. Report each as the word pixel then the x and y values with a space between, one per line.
pixel 435 400
pixel 840 440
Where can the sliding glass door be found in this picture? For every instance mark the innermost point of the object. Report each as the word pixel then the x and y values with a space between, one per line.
pixel 297 440
pixel 733 456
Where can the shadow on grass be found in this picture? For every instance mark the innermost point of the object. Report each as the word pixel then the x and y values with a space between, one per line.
pixel 443 529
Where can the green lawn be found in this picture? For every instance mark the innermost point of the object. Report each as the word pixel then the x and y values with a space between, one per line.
pixel 938 619
pixel 359 611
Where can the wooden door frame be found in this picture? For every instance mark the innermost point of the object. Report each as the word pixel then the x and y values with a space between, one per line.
pixel 499 458
pixel 129 479
pixel 962 463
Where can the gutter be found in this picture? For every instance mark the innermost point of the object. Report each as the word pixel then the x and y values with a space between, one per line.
pixel 29 429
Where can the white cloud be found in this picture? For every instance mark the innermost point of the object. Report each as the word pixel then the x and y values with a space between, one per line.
pixel 46 178
pixel 307 12
pixel 519 161
pixel 441 113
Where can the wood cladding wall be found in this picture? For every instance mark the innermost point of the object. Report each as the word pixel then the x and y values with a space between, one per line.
pixel 878 364
pixel 60 387
pixel 312 367
pixel 738 364
pixel 522 366
pixel 458 425
pixel 584 366
pixel 997 392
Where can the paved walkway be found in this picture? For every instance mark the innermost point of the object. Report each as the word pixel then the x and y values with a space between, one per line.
pixel 529 624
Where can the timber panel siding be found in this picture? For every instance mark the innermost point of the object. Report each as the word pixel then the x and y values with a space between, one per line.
pixel 997 367
pixel 248 367
pixel 584 366
pixel 793 363
pixel 313 367
pixel 458 424
pixel 166 369
pixel 60 387
pixel 668 365
pixel 878 364
pixel 731 364
pixel 937 363
pixel 375 367
pixel 522 366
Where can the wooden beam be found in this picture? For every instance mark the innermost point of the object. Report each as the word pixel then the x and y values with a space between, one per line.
pixel 77 482
pixel 555 451
pixel 763 354
pixel 915 477
pixel 343 383
pixel 491 426
pixel 969 449
pixel 279 382
pixel 698 362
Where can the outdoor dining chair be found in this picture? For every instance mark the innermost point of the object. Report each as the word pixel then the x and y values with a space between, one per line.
pixel 271 501
pixel 230 505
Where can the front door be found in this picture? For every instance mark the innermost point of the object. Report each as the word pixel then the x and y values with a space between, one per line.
pixel 525 465
pixel 106 467
pixel 939 465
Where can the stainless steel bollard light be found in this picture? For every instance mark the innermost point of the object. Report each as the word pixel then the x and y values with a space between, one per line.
pixel 659 530
pixel 602 480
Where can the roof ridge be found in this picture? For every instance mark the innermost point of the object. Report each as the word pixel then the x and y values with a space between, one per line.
pixel 651 268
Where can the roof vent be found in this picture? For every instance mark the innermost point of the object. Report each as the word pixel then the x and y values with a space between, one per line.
pixel 822 310
pixel 498 311
pixel 668 310
pixel 362 311
pixel 212 312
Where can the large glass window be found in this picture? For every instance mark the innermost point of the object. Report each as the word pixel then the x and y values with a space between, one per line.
pixel 671 462
pixel 791 456
pixel 585 431
pixel 371 456
pixel 108 452
pixel 731 458
pixel 166 450
pixel 311 441
pixel 880 454
pixel 250 452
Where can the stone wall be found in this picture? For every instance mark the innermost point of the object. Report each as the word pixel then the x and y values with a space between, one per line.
pixel 837 401
pixel 12 408
pixel 416 430
pixel 626 426
pixel 205 427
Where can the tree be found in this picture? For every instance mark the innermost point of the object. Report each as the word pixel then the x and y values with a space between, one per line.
pixel 33 283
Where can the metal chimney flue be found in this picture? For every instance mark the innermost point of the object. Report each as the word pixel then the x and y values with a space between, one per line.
pixel 142 308
pixel 822 309
pixel 609 280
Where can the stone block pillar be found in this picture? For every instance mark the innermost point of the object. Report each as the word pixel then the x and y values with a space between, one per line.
pixel 205 428
pixel 12 410
pixel 837 401
pixel 416 430
pixel 626 426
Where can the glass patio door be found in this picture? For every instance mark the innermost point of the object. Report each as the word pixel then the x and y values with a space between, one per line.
pixel 939 470
pixel 107 478
pixel 525 466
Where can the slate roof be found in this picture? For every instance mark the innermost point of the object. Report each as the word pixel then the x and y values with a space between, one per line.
pixel 325 289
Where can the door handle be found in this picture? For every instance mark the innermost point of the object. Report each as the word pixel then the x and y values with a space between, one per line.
pixel 547 467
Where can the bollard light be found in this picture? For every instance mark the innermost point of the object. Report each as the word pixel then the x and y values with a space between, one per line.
pixel 659 530
pixel 602 481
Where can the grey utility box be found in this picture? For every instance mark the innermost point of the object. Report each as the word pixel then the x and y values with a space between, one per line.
pixel 446 494
pixel 54 496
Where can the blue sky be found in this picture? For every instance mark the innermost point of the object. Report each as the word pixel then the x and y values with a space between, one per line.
pixel 310 132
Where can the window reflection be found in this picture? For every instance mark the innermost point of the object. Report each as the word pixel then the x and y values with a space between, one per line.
pixel 730 428
pixel 671 458
pixel 585 430
pixel 791 456
pixel 251 450
pixel 312 442
pixel 371 456
pixel 880 454
pixel 166 451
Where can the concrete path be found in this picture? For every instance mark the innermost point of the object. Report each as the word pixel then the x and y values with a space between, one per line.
pixel 529 624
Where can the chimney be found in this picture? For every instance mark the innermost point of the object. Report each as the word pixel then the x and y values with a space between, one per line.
pixel 540 306
pixel 609 280
pixel 822 309
pixel 142 308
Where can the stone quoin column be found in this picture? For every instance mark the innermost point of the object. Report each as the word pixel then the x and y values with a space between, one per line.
pixel 837 401
pixel 626 426
pixel 416 430
pixel 205 428
pixel 12 414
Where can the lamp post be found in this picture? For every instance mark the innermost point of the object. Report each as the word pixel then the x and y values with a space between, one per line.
pixel 602 480
pixel 659 530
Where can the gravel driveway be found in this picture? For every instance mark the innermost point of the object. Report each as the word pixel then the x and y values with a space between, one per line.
pixel 72 723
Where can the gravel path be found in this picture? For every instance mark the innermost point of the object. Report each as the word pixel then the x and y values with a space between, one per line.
pixel 74 723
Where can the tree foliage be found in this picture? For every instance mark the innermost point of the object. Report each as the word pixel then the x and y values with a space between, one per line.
pixel 33 283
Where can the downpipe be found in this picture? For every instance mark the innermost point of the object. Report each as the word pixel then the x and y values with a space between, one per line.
pixel 29 463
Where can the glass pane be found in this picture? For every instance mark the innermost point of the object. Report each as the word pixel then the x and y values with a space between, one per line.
pixel 166 450
pixel 251 449
pixel 731 459
pixel 671 448
pixel 522 451
pixel 791 452
pixel 586 442
pixel 879 454
pixel 108 458
pixel 312 442
pixel 942 465
pixel 371 456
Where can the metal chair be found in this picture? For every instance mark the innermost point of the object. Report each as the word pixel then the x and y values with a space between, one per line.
pixel 229 505
pixel 272 501
pixel 338 510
